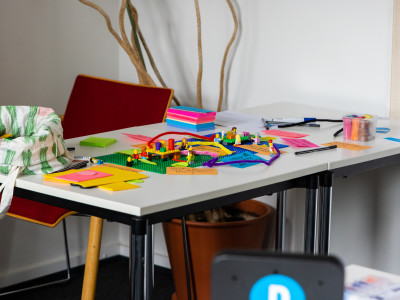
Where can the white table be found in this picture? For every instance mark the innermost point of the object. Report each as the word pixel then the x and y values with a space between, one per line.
pixel 340 162
pixel 149 204
pixel 162 197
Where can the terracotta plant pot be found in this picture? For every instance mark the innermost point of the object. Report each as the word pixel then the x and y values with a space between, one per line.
pixel 206 239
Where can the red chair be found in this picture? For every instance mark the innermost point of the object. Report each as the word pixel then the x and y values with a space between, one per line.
pixel 96 105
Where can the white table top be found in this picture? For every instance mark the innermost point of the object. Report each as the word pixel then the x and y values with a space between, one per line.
pixel 336 158
pixel 161 192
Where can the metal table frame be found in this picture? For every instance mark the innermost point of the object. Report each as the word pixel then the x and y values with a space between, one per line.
pixel 140 226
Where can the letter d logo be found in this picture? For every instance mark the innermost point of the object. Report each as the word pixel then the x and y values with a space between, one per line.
pixel 278 292
pixel 277 287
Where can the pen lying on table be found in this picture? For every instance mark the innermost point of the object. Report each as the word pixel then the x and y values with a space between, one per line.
pixel 316 149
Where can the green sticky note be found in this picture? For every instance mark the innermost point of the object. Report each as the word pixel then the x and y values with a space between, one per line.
pixel 129 151
pixel 97 142
pixel 135 181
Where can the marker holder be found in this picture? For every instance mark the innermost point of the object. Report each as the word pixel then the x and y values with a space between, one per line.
pixel 358 127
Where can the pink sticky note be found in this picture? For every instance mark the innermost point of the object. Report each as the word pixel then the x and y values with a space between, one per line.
pixel 300 143
pixel 140 137
pixel 83 175
pixel 284 133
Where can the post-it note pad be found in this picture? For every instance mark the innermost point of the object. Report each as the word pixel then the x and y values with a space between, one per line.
pixel 191 171
pixel 348 146
pixel 118 186
pixel 299 143
pixel 97 142
pixel 83 176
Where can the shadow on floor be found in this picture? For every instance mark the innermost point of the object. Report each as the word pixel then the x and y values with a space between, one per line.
pixel 112 283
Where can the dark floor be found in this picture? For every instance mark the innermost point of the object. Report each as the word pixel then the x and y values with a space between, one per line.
pixel 112 283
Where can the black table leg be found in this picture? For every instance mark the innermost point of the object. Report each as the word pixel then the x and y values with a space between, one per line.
pixel 149 263
pixel 137 278
pixel 310 214
pixel 280 221
pixel 326 182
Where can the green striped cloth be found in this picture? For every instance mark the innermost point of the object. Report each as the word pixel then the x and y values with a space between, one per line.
pixel 36 146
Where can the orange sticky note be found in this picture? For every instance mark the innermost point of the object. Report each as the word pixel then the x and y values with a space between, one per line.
pixel 191 171
pixel 348 146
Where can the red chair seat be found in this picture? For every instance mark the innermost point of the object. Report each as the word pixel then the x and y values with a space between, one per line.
pixel 36 212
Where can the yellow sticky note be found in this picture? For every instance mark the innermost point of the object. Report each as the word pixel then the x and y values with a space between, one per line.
pixel 117 167
pixel 118 186
pixel 118 175
pixel 219 151
pixel 267 138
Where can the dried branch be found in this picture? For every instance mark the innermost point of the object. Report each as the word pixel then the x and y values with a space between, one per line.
pixel 221 81
pixel 132 47
pixel 135 18
pixel 134 31
pixel 200 54
pixel 144 77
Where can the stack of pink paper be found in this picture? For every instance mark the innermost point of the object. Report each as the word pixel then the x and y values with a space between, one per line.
pixel 192 119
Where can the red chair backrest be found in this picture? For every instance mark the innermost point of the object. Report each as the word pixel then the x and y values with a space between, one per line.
pixel 99 105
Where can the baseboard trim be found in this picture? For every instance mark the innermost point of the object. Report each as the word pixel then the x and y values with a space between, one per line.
pixel 49 267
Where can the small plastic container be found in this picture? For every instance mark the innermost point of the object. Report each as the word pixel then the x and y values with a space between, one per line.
pixel 359 127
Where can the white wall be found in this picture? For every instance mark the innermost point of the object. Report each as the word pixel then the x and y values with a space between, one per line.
pixel 44 45
pixel 334 54
pixel 329 53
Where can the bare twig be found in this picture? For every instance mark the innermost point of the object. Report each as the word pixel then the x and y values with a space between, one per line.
pixel 144 77
pixel 200 54
pixel 221 81
pixel 135 18
pixel 134 32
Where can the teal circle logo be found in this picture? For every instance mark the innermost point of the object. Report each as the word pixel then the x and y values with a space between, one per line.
pixel 277 287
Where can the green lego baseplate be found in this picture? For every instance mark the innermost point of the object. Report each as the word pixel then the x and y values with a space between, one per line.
pixel 232 141
pixel 161 167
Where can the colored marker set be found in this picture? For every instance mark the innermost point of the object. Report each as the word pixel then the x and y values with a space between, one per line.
pixel 358 127
pixel 192 119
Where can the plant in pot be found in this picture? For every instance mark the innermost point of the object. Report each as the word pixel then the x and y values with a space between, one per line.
pixel 242 225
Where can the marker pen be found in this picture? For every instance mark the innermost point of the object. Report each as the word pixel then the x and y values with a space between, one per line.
pixel 347 128
pixel 289 120
pixel 316 150
pixel 355 127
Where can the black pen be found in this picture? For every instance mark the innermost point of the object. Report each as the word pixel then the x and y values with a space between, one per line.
pixel 316 149
pixel 338 132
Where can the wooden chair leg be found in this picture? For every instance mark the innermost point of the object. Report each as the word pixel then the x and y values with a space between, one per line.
pixel 92 259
